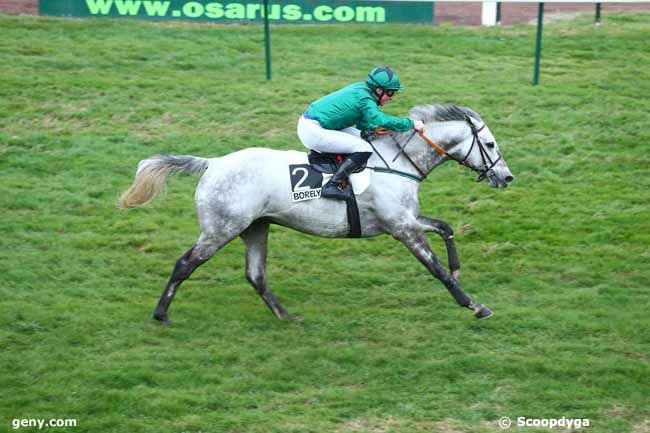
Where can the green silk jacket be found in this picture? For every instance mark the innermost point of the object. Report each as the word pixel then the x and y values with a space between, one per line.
pixel 355 105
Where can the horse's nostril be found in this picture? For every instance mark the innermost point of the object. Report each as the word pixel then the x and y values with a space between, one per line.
pixel 509 179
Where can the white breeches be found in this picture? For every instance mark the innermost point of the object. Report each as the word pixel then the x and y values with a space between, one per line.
pixel 347 140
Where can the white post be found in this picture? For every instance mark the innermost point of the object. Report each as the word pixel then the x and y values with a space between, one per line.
pixel 489 13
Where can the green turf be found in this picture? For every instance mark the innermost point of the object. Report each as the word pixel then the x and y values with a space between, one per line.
pixel 562 256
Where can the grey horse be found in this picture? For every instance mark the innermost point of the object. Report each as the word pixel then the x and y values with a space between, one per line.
pixel 242 193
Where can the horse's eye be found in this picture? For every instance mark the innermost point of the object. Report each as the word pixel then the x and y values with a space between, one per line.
pixel 490 144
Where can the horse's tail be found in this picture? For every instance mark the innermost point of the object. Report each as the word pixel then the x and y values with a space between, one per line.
pixel 152 173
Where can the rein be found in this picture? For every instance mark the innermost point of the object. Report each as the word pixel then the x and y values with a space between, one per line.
pixel 388 169
pixel 488 164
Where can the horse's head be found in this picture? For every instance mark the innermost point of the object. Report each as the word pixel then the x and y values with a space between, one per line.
pixel 466 138
pixel 480 151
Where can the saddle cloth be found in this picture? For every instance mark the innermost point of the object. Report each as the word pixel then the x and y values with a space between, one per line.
pixel 307 179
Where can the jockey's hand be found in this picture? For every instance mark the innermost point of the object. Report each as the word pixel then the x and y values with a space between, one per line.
pixel 418 125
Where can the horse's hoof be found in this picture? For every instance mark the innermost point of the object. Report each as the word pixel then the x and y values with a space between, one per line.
pixel 482 312
pixel 163 319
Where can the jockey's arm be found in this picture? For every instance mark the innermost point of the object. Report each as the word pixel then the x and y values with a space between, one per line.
pixel 374 118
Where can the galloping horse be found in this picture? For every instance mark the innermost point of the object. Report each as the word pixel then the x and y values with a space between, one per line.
pixel 241 193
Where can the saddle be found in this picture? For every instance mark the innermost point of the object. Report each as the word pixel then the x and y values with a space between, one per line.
pixel 328 163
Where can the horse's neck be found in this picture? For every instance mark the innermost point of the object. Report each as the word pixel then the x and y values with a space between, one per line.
pixel 444 134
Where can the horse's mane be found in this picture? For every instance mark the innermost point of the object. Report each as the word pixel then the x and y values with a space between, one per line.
pixel 442 113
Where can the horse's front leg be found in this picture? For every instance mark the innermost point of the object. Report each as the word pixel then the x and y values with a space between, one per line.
pixel 447 234
pixel 416 241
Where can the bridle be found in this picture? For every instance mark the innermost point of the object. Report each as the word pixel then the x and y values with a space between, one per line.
pixel 488 164
pixel 485 157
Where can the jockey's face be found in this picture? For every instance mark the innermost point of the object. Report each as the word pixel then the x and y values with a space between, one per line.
pixel 385 96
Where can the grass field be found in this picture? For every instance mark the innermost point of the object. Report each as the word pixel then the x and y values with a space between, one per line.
pixel 562 257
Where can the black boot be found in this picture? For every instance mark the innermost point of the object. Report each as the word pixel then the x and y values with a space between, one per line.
pixel 334 188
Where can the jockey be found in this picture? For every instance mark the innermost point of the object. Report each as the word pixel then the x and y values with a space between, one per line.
pixel 333 123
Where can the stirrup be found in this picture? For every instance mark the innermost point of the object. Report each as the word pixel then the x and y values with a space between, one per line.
pixel 336 191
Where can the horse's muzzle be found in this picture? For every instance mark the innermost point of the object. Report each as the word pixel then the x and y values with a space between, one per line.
pixel 499 180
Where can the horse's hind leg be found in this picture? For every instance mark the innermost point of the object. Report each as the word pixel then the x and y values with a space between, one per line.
pixel 255 238
pixel 200 253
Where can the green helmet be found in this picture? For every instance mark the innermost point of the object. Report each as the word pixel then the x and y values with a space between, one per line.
pixel 383 77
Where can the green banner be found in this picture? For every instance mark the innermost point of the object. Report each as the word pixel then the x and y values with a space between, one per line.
pixel 299 11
